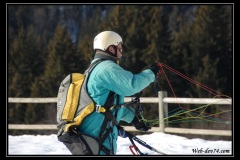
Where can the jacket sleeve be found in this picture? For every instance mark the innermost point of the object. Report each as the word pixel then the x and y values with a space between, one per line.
pixel 110 76
pixel 124 82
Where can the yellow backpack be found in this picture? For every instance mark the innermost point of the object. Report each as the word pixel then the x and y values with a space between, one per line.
pixel 73 100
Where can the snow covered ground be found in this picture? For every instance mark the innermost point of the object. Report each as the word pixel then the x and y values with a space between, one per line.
pixel 43 145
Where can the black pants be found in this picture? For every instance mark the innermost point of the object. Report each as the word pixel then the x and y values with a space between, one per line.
pixel 80 144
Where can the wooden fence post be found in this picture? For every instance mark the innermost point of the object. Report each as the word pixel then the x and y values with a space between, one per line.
pixel 161 96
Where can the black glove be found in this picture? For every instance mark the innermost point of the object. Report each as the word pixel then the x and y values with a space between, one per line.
pixel 140 125
pixel 155 68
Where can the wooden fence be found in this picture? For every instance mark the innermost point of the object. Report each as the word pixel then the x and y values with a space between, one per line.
pixel 162 100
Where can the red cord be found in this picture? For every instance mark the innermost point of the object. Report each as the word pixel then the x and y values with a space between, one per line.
pixel 131 149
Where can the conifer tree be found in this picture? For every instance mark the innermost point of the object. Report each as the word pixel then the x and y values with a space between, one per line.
pixel 24 64
pixel 62 59
pixel 211 41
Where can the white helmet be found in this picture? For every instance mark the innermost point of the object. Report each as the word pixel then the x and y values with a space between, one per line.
pixel 105 39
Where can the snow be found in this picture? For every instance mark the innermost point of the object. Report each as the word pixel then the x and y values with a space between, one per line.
pixel 46 145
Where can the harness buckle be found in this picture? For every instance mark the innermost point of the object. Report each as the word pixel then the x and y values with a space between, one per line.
pixel 110 123
pixel 98 108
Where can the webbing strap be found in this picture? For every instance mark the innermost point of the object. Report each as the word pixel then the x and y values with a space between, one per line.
pixel 107 151
pixel 110 100
pixel 108 118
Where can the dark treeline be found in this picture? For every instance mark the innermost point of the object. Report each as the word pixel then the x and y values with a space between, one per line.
pixel 47 42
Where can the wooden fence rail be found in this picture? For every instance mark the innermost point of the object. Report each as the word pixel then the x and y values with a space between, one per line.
pixel 163 101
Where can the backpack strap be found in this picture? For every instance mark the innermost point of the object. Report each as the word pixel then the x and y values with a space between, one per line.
pixel 87 99
pixel 110 100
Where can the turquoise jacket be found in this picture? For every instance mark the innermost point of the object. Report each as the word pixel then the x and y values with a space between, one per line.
pixel 107 76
